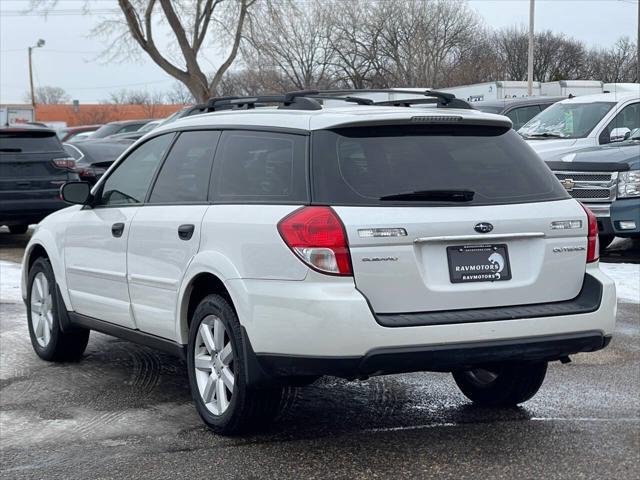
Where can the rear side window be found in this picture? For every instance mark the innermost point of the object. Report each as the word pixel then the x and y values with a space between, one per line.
pixel 184 177
pixel 29 142
pixel 260 167
pixel 359 166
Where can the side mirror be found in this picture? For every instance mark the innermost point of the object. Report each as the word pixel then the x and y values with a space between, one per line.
pixel 619 134
pixel 76 192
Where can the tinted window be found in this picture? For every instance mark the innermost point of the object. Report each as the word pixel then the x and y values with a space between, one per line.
pixel 185 173
pixel 129 183
pixel 29 142
pixel 358 166
pixel 260 167
pixel 520 116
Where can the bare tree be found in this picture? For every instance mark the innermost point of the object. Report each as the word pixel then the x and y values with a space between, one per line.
pixel 48 95
pixel 616 64
pixel 179 94
pixel 191 23
pixel 294 39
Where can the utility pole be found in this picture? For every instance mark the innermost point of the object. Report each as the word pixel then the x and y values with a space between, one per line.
pixel 530 56
pixel 39 43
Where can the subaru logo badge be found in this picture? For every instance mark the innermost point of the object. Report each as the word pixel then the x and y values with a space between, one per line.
pixel 483 227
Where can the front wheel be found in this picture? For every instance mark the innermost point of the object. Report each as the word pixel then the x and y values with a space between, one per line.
pixel 504 385
pixel 43 313
pixel 217 372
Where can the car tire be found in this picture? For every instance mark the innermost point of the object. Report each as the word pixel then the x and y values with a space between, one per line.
pixel 505 385
pixel 217 372
pixel 18 229
pixel 605 240
pixel 44 308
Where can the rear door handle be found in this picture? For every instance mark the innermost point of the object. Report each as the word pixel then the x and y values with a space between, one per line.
pixel 117 229
pixel 185 232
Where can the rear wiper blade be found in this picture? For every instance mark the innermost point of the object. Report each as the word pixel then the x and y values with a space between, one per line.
pixel 432 196
pixel 11 150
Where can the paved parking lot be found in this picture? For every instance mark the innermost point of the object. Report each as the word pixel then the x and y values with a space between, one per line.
pixel 125 412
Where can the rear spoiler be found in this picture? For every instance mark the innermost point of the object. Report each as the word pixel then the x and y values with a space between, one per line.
pixel 426 119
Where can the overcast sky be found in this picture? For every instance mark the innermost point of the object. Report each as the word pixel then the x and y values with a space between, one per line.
pixel 68 59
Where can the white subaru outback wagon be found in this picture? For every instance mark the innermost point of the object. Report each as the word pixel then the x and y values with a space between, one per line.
pixel 327 234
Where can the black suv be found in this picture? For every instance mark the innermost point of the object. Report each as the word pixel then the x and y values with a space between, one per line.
pixel 33 166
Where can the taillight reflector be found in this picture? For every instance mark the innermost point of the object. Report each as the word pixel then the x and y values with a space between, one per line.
pixel 67 163
pixel 593 245
pixel 316 235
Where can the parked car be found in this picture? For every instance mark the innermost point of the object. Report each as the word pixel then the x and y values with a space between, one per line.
pixel 582 122
pixel 519 110
pixel 73 133
pixel 274 246
pixel 607 180
pixel 33 167
pixel 123 126
pixel 137 134
pixel 94 158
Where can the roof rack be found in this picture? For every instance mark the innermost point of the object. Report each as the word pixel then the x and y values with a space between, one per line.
pixel 313 99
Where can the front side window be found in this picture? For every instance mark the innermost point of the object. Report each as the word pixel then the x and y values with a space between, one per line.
pixel 566 120
pixel 625 122
pixel 129 183
pixel 184 177
pixel 260 167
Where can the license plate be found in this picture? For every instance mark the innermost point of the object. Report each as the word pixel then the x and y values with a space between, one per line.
pixel 478 263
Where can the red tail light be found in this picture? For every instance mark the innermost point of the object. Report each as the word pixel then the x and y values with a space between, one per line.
pixel 317 236
pixel 67 163
pixel 593 245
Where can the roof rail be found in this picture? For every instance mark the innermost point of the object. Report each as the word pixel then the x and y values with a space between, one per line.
pixel 312 99
pixel 443 99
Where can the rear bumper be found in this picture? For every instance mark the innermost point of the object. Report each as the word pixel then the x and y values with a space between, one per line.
pixel 27 211
pixel 326 327
pixel 439 358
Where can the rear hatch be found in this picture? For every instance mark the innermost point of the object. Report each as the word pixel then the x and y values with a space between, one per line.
pixel 27 168
pixel 446 217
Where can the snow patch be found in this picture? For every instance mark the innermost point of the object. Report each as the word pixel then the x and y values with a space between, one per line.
pixel 627 278
pixel 10 282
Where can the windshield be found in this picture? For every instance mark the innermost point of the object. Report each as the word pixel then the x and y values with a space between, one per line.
pixel 488 108
pixel 566 120
pixel 428 165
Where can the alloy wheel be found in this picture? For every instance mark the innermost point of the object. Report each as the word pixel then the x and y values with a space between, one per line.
pixel 41 309
pixel 213 361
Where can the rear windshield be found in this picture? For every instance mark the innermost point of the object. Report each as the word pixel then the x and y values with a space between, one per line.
pixel 29 142
pixel 359 166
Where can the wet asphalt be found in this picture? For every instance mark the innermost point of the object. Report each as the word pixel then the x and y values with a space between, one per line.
pixel 125 411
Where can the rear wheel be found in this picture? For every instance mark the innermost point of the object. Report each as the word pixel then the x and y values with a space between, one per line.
pixel 504 385
pixel 18 229
pixel 217 370
pixel 605 240
pixel 43 313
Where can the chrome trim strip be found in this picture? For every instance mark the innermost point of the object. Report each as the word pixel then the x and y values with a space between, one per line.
pixel 481 237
